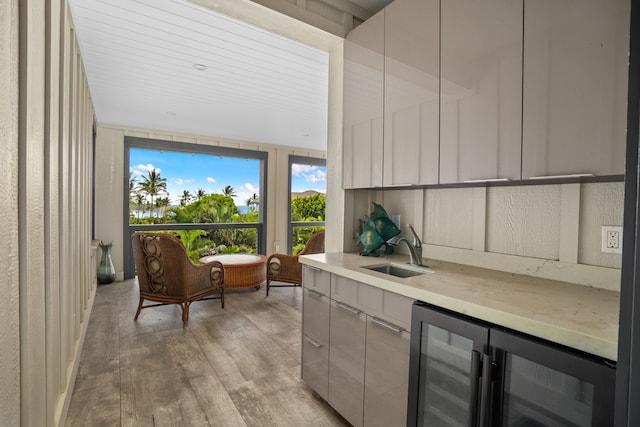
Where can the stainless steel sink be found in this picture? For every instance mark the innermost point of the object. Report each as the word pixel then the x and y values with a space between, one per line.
pixel 396 270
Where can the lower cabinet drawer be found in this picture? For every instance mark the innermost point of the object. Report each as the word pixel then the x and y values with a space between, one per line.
pixel 315 316
pixel 386 375
pixel 315 366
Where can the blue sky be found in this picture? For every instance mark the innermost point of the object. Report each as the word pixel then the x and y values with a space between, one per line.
pixel 185 171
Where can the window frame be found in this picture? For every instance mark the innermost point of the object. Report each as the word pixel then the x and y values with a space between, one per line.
pixel 184 147
pixel 301 160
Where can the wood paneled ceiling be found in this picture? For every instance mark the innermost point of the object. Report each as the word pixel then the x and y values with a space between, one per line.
pixel 180 66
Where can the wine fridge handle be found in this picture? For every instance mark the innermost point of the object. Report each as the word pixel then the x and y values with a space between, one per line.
pixel 485 397
pixel 475 385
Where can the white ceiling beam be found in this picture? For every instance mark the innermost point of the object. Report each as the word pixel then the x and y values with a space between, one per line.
pixel 274 21
pixel 300 11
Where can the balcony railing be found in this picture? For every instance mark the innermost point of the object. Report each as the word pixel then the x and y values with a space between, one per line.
pixel 129 267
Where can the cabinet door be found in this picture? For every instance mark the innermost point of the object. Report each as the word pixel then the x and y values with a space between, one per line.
pixel 411 92
pixel 481 90
pixel 545 385
pixel 315 366
pixel 387 374
pixel 363 104
pixel 346 361
pixel 315 316
pixel 575 86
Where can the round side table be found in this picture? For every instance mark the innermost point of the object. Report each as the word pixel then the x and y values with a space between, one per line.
pixel 241 271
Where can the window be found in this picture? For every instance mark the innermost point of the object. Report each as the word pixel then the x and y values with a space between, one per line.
pixel 307 199
pixel 208 196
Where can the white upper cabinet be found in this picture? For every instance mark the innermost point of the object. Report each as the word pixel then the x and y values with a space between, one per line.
pixel 575 87
pixel 363 104
pixel 481 90
pixel 411 92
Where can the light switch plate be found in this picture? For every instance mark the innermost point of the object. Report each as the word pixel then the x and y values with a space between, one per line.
pixel 611 239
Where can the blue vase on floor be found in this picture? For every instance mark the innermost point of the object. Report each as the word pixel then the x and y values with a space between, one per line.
pixel 106 271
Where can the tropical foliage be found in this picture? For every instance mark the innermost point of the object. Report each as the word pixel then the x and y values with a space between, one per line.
pixel 149 203
pixel 152 185
pixel 311 208
pixel 301 236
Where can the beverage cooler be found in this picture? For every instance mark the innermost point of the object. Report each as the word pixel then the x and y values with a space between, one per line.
pixel 467 373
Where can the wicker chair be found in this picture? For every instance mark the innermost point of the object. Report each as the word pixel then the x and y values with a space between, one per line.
pixel 286 268
pixel 166 275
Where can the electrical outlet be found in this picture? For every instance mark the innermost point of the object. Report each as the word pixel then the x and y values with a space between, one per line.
pixel 396 220
pixel 611 239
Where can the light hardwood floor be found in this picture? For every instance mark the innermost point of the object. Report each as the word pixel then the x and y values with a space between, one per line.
pixel 237 366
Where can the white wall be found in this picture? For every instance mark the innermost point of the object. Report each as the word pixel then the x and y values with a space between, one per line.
pixel 46 256
pixel 110 175
pixel 9 259
pixel 549 231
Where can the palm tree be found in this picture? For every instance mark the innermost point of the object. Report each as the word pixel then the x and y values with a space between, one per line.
pixel 253 201
pixel 185 198
pixel 132 187
pixel 139 201
pixel 153 184
pixel 162 203
pixel 229 191
pixel 200 194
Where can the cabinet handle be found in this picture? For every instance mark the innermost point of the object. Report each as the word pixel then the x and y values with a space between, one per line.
pixel 569 175
pixel 475 386
pixel 468 181
pixel 348 308
pixel 315 294
pixel 309 269
pixel 316 344
pixel 390 326
pixel 485 396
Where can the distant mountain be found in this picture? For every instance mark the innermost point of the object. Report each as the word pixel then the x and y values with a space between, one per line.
pixel 307 193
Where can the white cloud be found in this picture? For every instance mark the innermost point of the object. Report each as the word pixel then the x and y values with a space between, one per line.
pixel 311 174
pixel 297 170
pixel 180 181
pixel 244 193
pixel 316 177
pixel 143 169
pixel 210 180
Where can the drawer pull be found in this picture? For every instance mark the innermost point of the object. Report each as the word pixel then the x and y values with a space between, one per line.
pixel 348 308
pixel 316 344
pixel 390 326
pixel 315 294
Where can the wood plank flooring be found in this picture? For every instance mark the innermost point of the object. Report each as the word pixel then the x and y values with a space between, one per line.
pixel 238 366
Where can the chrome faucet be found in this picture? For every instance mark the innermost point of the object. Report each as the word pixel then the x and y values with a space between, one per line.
pixel 415 247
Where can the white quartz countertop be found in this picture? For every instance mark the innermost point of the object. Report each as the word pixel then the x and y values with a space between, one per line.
pixel 576 316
